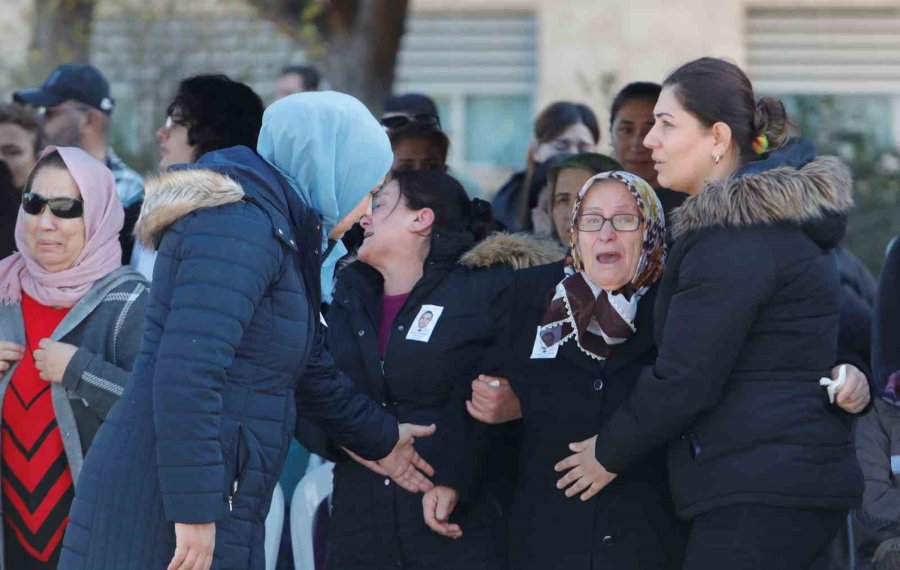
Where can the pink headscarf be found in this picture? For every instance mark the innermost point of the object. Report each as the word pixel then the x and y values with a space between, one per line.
pixel 102 254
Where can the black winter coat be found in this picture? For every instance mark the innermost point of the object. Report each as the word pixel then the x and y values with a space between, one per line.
pixel 746 324
pixel 632 524
pixel 374 523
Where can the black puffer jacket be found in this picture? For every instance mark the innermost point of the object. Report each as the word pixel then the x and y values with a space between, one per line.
pixel 746 324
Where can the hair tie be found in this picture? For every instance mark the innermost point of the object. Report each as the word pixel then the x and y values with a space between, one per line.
pixel 760 144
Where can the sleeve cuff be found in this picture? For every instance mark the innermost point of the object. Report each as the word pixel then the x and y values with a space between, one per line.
pixel 79 363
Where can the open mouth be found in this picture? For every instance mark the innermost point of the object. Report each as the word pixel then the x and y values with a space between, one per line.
pixel 608 258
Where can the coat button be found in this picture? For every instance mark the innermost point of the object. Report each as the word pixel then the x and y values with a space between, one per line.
pixel 280 232
pixel 383 404
pixel 316 251
pixel 598 384
pixel 387 482
pixel 401 327
pixel 346 301
pixel 361 333
pixel 608 540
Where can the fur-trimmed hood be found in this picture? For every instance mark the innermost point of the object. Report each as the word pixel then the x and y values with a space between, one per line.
pixel 514 250
pixel 172 195
pixel 784 193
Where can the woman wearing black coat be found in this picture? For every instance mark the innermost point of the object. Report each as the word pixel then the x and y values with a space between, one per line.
pixel 747 323
pixel 578 339
pixel 411 326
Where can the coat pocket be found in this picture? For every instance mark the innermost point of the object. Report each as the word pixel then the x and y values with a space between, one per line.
pixel 236 459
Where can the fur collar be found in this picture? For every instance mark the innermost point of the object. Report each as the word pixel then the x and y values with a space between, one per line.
pixel 514 250
pixel 175 194
pixel 782 194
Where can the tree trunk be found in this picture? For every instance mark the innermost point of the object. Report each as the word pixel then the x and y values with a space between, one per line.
pixel 62 33
pixel 363 38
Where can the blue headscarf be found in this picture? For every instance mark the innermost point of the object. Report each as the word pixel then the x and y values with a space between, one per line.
pixel 332 151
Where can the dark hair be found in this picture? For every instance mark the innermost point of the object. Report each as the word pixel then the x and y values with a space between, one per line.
pixel 715 90
pixel 218 112
pixel 637 91
pixel 415 103
pixel 419 131
pixel 561 115
pixel 591 161
pixel 453 210
pixel 52 160
pixel 310 75
pixel 15 114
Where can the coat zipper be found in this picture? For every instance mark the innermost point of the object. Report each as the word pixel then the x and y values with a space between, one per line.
pixel 238 467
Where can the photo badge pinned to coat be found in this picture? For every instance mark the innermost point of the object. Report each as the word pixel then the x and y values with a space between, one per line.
pixel 424 324
pixel 546 343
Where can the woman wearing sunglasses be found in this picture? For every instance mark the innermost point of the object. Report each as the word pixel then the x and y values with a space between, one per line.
pixel 70 327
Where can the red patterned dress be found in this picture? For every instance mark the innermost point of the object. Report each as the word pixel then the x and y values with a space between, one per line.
pixel 37 482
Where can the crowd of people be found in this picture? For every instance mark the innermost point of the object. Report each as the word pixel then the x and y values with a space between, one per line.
pixel 657 359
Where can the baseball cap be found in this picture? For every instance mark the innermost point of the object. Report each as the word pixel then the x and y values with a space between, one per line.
pixel 80 82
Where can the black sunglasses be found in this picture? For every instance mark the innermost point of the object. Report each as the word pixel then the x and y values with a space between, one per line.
pixel 65 208
pixel 399 121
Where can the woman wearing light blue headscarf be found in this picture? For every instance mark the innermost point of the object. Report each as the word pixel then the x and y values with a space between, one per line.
pixel 333 152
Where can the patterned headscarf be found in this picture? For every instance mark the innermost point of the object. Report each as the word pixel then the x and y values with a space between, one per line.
pixel 598 319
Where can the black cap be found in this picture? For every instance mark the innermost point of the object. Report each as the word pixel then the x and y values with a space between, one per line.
pixel 412 103
pixel 82 83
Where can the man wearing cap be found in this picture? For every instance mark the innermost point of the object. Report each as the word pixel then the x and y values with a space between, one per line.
pixel 77 107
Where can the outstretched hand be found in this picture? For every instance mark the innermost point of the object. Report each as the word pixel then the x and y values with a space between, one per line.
pixel 404 464
pixel 584 471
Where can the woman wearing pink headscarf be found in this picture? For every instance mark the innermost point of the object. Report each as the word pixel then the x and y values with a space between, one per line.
pixel 70 326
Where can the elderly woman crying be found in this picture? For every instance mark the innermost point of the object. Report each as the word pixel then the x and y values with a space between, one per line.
pixel 579 335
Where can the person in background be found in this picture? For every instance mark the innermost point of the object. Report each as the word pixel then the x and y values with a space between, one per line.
pixel 401 110
pixel 562 129
pixel 70 327
pixel 77 109
pixel 630 119
pixel 566 180
pixel 208 112
pixel 419 147
pixel 878 432
pixel 20 143
pixel 297 79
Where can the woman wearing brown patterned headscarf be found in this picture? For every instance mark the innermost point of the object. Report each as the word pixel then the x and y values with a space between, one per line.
pixel 578 339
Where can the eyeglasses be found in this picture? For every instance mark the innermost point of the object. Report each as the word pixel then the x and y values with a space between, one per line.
pixel 399 121
pixel 620 222
pixel 172 122
pixel 64 208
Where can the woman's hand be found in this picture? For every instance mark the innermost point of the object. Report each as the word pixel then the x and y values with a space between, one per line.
pixel 194 546
pixel 585 472
pixel 853 396
pixel 437 506
pixel 404 465
pixel 493 400
pixel 52 359
pixel 10 353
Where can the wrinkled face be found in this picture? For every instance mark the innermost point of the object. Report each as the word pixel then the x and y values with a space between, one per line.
pixel 633 121
pixel 173 144
pixel 288 84
pixel 386 227
pixel 417 154
pixel 55 243
pixel 62 123
pixel 17 151
pixel 568 183
pixel 575 139
pixel 682 148
pixel 610 257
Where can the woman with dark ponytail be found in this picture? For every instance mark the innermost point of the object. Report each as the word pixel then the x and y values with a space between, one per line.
pixel 761 458
pixel 411 325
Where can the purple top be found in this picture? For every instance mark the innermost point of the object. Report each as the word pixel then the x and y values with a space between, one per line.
pixel 390 306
